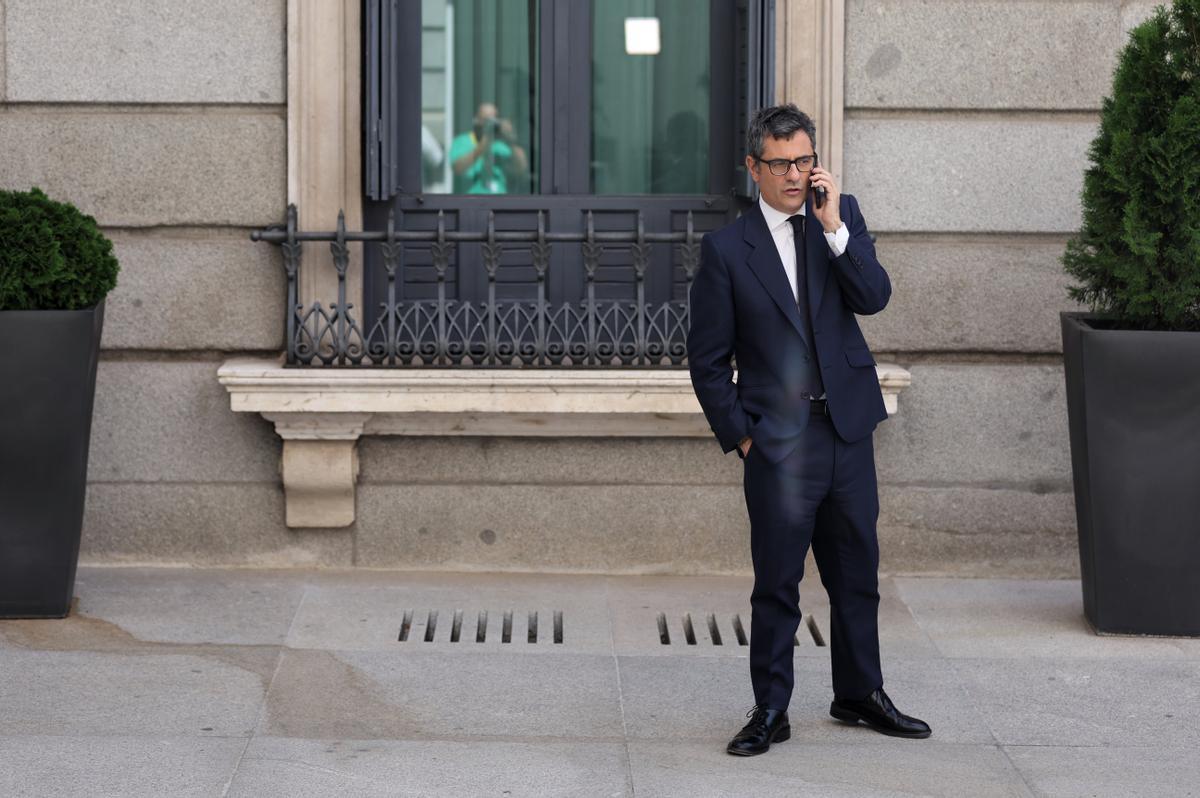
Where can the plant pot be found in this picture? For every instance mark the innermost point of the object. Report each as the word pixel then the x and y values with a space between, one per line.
pixel 1133 401
pixel 47 386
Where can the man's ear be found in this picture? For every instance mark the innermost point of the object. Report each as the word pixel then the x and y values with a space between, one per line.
pixel 750 167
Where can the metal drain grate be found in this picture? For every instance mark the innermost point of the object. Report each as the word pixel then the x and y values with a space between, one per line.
pixel 421 626
pixel 735 625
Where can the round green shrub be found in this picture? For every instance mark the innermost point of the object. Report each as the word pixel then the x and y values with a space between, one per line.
pixel 52 256
pixel 1137 257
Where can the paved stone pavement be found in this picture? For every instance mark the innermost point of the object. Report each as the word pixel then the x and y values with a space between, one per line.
pixel 181 682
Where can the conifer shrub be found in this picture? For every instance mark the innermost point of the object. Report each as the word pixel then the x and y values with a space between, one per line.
pixel 52 256
pixel 1137 256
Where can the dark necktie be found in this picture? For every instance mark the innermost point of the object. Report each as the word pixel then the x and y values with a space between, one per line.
pixel 817 386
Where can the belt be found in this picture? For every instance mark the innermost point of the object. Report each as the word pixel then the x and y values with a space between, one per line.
pixel 818 406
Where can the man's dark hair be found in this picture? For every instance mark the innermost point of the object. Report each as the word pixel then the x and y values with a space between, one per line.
pixel 778 122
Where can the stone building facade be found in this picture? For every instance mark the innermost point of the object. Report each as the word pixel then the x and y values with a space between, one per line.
pixel 961 126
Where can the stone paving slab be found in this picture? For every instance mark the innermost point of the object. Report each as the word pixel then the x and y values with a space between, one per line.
pixel 37 766
pixel 353 617
pixel 1108 771
pixel 900 634
pixel 1018 619
pixel 889 768
pixel 709 698
pixel 192 606
pixel 76 693
pixel 379 695
pixel 1086 702
pixel 164 677
pixel 290 768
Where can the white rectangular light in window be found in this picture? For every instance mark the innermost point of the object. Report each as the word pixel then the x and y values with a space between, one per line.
pixel 641 36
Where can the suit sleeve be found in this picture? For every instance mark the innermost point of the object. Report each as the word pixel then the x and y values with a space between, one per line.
pixel 865 286
pixel 710 346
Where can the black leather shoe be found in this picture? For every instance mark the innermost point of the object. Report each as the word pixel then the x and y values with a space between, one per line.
pixel 878 712
pixel 766 726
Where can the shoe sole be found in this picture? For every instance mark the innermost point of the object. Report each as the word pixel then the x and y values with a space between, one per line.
pixel 853 718
pixel 783 735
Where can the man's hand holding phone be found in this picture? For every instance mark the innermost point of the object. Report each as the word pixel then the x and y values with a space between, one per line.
pixel 827 210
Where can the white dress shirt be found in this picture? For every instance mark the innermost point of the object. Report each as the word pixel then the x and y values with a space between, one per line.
pixel 784 235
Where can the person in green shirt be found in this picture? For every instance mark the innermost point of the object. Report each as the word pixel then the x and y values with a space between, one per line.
pixel 486 158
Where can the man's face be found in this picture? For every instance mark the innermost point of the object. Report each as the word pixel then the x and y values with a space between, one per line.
pixel 486 111
pixel 785 193
pixel 485 119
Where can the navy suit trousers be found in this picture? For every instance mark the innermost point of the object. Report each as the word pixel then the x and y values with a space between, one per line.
pixel 823 493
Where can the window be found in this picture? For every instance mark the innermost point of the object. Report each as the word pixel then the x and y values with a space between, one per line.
pixel 509 114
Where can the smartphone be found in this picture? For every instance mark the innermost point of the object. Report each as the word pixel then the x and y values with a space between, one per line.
pixel 818 192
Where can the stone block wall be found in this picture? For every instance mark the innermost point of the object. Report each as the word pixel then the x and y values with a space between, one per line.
pixel 166 121
pixel 967 128
pixel 967 124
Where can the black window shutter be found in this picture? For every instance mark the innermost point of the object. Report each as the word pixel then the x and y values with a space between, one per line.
pixel 754 83
pixel 381 94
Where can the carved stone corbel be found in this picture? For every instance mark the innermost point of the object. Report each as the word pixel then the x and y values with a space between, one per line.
pixel 319 466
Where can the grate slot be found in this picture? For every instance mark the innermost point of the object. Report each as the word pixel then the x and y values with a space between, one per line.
pixel 815 631
pixel 689 633
pixel 713 631
pixel 406 625
pixel 558 627
pixel 456 626
pixel 739 632
pixel 481 627
pixel 431 626
pixel 532 635
pixel 664 634
pixel 506 627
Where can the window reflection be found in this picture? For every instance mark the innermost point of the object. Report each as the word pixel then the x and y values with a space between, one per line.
pixel 650 98
pixel 478 96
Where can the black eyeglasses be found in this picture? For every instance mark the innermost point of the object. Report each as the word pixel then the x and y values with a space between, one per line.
pixel 780 166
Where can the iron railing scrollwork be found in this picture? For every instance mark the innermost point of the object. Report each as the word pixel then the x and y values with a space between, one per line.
pixel 499 332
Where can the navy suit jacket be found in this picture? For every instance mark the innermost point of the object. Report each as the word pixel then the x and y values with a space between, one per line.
pixel 743 306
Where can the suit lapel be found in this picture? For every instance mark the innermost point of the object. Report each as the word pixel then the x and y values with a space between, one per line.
pixel 817 249
pixel 764 262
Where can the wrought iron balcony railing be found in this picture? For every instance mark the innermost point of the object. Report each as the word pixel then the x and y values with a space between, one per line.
pixel 499 332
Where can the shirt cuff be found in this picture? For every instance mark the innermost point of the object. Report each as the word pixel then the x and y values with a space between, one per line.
pixel 838 240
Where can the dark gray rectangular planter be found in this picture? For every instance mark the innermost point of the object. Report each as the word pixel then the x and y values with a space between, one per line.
pixel 47 385
pixel 1133 398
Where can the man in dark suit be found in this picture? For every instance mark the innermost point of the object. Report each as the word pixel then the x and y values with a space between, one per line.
pixel 778 291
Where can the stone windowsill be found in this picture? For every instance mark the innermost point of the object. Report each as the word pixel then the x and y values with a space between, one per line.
pixel 321 412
